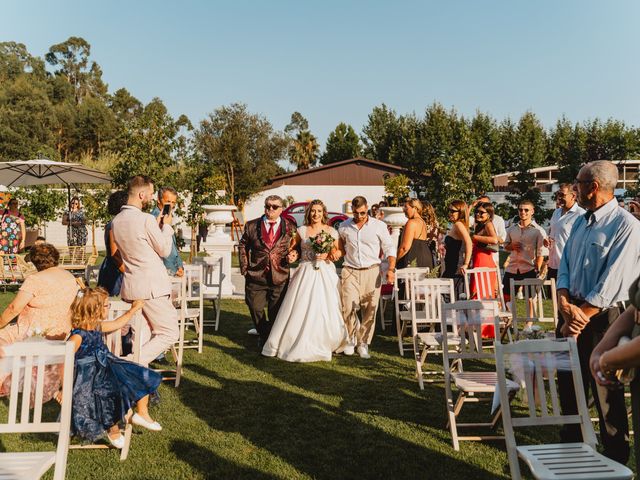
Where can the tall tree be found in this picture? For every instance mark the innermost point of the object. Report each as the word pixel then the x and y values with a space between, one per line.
pixel 155 146
pixel 381 134
pixel 342 144
pixel 530 152
pixel 71 58
pixel 303 145
pixel 241 145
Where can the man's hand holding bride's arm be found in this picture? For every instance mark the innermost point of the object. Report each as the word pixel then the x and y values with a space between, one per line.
pixel 337 252
pixel 294 244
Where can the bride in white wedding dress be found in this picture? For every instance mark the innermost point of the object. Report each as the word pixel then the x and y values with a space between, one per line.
pixel 309 325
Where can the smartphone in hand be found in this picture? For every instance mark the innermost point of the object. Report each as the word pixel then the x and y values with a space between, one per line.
pixel 166 209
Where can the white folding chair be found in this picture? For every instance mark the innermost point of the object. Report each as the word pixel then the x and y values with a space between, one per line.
pixel 483 290
pixel 533 308
pixel 538 361
pixel 178 287
pixel 91 273
pixel 23 359
pixel 403 315
pixel 194 294
pixel 426 297
pixel 469 316
pixel 212 289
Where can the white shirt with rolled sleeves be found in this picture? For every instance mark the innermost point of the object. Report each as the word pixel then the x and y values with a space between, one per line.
pixel 362 246
pixel 559 229
pixel 601 258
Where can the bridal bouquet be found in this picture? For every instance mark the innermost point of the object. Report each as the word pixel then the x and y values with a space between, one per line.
pixel 321 243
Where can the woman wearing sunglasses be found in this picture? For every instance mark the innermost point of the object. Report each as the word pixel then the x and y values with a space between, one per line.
pixel 457 244
pixel 485 244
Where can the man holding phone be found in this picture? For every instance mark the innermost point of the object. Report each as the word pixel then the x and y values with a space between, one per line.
pixel 167 199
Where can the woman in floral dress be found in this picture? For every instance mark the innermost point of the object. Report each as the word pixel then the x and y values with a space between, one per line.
pixel 76 224
pixel 12 229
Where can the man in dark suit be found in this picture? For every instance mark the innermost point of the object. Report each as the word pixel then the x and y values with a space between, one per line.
pixel 264 263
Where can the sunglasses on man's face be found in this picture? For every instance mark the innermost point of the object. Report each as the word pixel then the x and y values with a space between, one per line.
pixel 480 212
pixel 524 210
pixel 270 206
pixel 359 214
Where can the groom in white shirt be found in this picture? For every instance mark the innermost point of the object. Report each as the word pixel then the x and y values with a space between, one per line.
pixel 361 239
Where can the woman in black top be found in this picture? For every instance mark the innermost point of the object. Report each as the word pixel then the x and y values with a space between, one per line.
pixel 419 236
pixel 458 245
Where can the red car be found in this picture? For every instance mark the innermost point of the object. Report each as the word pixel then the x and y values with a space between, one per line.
pixel 295 212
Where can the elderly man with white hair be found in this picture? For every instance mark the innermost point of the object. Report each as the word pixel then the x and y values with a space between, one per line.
pixel 600 261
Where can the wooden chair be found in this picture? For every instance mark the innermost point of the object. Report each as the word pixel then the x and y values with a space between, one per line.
pixel 469 316
pixel 212 288
pixel 177 349
pixel 533 296
pixel 91 273
pixel 426 314
pixel 403 316
pixel 76 257
pixel 483 291
pixel 14 269
pixel 21 359
pixel 194 294
pixel 539 360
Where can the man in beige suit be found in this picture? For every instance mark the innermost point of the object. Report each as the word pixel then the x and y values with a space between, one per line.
pixel 143 243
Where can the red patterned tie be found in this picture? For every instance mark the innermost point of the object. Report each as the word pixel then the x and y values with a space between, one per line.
pixel 271 233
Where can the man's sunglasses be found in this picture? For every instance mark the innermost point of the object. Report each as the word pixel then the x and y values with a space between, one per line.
pixel 524 210
pixel 359 214
pixel 269 206
pixel 480 212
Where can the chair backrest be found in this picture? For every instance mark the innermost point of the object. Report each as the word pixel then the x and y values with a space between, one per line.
pixel 468 317
pixel 426 297
pixel 91 272
pixel 26 361
pixel 484 279
pixel 535 363
pixel 213 274
pixel 406 276
pixel 533 308
pixel 194 282
pixel 113 340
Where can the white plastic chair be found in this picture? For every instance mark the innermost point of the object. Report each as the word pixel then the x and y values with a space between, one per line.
pixel 403 317
pixel 21 359
pixel 426 319
pixel 533 296
pixel 469 316
pixel 539 361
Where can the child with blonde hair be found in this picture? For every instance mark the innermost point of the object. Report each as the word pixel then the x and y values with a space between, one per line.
pixel 105 387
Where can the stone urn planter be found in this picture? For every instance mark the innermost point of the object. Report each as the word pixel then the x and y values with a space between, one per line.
pixel 218 216
pixel 395 218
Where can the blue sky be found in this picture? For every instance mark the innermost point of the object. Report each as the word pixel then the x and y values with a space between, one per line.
pixel 335 60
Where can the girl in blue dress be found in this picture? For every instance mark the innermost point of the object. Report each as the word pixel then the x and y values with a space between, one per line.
pixel 105 387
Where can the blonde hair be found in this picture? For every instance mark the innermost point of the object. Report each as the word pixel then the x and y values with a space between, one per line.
pixel 307 212
pixel 86 309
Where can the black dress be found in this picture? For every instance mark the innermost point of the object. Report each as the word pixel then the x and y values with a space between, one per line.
pixel 453 260
pixel 420 254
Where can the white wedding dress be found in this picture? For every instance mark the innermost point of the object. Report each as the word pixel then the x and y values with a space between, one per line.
pixel 309 325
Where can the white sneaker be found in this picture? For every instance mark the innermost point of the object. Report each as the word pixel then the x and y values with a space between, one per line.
pixel 363 351
pixel 349 349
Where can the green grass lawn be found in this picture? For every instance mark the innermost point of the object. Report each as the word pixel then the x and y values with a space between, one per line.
pixel 237 414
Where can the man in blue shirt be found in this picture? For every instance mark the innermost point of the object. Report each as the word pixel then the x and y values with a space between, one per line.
pixel 169 196
pixel 601 259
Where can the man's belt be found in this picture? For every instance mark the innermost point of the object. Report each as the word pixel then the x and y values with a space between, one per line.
pixel 362 268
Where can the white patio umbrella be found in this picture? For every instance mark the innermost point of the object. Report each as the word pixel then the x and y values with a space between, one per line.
pixel 22 173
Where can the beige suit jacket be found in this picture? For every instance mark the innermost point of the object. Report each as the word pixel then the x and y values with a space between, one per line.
pixel 142 245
